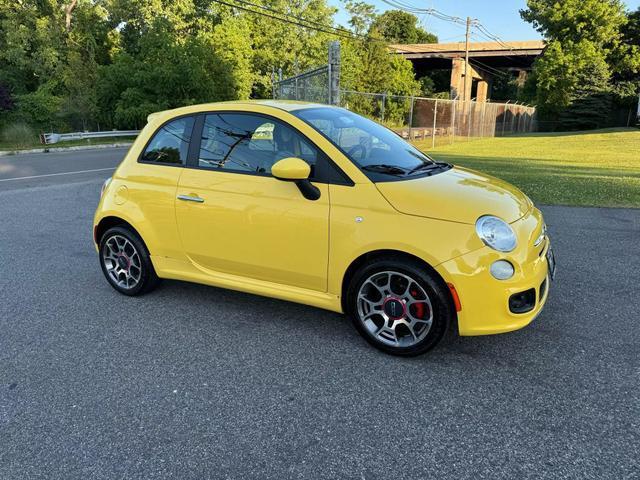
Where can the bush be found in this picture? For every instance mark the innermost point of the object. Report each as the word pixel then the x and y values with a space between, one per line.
pixel 18 135
pixel 41 109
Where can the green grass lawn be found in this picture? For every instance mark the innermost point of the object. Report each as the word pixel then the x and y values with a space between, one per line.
pixel 596 168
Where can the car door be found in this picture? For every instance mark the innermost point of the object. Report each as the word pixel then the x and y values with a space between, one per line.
pixel 234 217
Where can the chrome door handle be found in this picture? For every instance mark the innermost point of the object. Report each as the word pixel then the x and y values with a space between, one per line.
pixel 189 198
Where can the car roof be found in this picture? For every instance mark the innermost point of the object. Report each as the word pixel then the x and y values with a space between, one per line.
pixel 287 105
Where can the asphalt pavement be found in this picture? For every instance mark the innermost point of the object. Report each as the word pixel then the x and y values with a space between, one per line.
pixel 198 382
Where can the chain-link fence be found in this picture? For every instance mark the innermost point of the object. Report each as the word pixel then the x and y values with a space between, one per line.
pixel 309 86
pixel 440 120
pixel 415 118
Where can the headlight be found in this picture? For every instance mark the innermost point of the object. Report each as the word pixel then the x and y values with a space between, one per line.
pixel 496 233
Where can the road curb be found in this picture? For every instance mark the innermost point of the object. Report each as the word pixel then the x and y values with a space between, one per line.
pixel 64 149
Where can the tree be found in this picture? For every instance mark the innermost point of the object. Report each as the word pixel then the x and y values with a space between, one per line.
pixel 76 64
pixel 401 27
pixel 631 30
pixel 6 100
pixel 368 67
pixel 170 71
pixel 599 21
pixel 585 55
pixel 361 16
pixel 292 48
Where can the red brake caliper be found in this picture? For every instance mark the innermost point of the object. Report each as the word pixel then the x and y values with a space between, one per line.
pixel 419 306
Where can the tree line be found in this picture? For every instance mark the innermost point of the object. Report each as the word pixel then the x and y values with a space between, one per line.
pixel 88 64
pixel 77 64
pixel 591 63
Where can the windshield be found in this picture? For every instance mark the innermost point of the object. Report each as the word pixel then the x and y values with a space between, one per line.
pixel 374 148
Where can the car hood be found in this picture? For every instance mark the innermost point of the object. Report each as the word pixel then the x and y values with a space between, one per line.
pixel 458 195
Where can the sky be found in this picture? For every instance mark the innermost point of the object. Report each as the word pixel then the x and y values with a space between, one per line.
pixel 500 17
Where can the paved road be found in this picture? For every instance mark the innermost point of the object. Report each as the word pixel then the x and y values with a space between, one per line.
pixel 197 382
pixel 18 172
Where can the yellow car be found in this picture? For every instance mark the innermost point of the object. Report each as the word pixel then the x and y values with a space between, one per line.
pixel 317 205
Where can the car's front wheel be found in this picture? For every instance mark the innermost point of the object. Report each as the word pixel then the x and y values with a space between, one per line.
pixel 399 306
pixel 126 263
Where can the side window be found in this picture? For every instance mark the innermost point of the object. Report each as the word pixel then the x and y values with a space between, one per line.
pixel 170 144
pixel 250 143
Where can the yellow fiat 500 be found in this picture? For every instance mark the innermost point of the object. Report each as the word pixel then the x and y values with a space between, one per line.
pixel 317 205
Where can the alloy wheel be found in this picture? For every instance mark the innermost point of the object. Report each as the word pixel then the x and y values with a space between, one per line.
pixel 122 261
pixel 394 309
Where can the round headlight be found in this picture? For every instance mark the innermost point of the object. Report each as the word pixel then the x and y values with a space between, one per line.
pixel 496 233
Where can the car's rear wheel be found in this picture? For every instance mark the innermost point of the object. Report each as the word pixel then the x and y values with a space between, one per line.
pixel 399 306
pixel 126 263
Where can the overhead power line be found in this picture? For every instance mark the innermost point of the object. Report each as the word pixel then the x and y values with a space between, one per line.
pixel 302 22
pixel 305 22
pixel 401 5
pixel 487 68
pixel 293 20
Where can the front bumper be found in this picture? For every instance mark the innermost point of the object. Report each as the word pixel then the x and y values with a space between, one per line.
pixel 485 300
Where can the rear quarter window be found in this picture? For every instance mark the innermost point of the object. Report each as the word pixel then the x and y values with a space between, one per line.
pixel 170 143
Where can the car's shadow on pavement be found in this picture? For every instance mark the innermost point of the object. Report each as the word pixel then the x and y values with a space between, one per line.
pixel 213 309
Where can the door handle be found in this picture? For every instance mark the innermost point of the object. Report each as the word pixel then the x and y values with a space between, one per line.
pixel 190 198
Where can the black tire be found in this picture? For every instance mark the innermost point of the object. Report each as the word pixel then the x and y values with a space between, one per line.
pixel 441 305
pixel 147 278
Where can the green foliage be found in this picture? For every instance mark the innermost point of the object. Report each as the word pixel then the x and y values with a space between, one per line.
pixel 168 71
pixel 599 21
pixel 41 108
pixel 631 30
pixel 586 112
pixel 427 86
pixel 17 135
pixel 566 68
pixel 368 67
pixel 588 61
pixel 505 87
pixel 6 99
pixel 294 49
pixel 112 62
pixel 397 26
pixel 361 16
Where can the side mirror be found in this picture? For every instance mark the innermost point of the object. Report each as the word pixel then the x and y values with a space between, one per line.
pixel 291 169
pixel 296 170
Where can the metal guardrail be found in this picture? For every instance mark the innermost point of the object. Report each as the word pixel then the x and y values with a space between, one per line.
pixel 49 138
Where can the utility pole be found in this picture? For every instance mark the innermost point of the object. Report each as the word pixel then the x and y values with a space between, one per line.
pixel 466 62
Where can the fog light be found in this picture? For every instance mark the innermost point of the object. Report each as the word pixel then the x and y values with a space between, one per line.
pixel 502 270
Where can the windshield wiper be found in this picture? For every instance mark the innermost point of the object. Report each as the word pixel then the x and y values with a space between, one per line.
pixel 428 166
pixel 384 168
